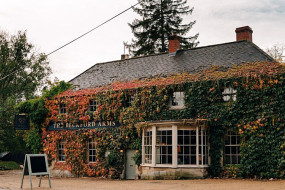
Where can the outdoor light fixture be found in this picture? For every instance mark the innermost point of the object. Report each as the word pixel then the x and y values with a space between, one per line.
pixel 121 151
pixel 127 139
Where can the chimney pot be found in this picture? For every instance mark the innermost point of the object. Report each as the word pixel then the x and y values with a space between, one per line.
pixel 244 33
pixel 124 56
pixel 174 43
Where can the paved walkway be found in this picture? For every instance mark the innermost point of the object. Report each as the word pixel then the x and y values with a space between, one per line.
pixel 12 180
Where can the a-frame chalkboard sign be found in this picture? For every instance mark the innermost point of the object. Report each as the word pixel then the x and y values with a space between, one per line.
pixel 35 165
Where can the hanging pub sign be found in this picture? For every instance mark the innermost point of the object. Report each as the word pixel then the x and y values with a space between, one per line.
pixel 22 122
pixel 86 125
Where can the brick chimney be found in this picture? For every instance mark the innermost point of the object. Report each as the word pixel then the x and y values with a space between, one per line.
pixel 244 33
pixel 174 43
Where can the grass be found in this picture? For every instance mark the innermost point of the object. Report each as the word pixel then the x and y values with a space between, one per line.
pixel 9 165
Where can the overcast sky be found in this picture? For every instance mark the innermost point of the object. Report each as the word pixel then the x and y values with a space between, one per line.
pixel 52 23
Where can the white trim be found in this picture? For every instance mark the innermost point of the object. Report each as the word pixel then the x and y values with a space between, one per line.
pixel 197 147
pixel 143 148
pixel 170 166
pixel 174 129
pixel 174 146
pixel 202 147
pixel 153 147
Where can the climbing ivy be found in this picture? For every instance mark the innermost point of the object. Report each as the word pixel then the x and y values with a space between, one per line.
pixel 260 96
pixel 37 112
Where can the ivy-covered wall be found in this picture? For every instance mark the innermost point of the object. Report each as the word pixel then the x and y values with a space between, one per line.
pixel 258 114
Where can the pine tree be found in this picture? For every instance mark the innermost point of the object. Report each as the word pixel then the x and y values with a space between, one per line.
pixel 160 18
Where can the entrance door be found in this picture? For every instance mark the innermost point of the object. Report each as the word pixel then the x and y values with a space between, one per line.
pixel 130 165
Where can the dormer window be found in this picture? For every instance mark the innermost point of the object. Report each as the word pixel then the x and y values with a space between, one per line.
pixel 93 105
pixel 229 94
pixel 62 108
pixel 129 101
pixel 177 100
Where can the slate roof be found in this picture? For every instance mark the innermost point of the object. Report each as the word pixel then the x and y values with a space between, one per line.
pixel 190 61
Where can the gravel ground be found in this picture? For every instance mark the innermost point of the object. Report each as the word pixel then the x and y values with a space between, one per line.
pixel 12 180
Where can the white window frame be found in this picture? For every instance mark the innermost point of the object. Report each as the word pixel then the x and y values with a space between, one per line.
pixel 92 148
pixel 229 94
pixel 61 151
pixel 160 145
pixel 182 146
pixel 129 101
pixel 236 145
pixel 177 100
pixel 62 108
pixel 175 164
pixel 147 146
pixel 93 105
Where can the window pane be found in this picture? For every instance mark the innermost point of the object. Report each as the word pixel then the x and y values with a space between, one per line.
pixel 163 150
pixel 187 160
pixel 186 139
pixel 169 159
pixel 228 150
pixel 233 140
pixel 163 140
pixel 193 159
pixel 186 150
pixel 180 140
pixel 234 150
pixel 193 140
pixel 170 150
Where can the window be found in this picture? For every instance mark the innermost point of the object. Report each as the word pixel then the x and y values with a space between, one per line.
pixel 189 146
pixel 61 151
pixel 148 147
pixel 232 148
pixel 91 151
pixel 203 147
pixel 186 147
pixel 164 147
pixel 129 101
pixel 229 94
pixel 62 108
pixel 93 105
pixel 177 100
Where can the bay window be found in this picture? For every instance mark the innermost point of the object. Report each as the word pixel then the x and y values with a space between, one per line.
pixel 175 146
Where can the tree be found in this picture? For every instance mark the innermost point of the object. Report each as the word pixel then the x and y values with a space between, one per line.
pixel 160 18
pixel 23 71
pixel 277 52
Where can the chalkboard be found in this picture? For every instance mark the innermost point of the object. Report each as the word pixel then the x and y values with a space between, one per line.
pixel 35 165
pixel 38 164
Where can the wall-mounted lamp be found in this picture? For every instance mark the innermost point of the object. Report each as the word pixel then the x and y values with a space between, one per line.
pixel 127 139
pixel 121 151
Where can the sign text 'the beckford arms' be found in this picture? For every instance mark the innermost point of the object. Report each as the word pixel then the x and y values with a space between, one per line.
pixel 85 125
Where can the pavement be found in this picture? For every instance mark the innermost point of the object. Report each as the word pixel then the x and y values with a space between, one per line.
pixel 11 180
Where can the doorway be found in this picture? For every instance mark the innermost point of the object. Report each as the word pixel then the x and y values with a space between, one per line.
pixel 130 164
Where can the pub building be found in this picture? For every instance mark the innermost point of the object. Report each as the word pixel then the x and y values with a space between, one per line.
pixel 136 118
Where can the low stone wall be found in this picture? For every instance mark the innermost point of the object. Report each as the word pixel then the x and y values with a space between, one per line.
pixel 59 169
pixel 148 172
